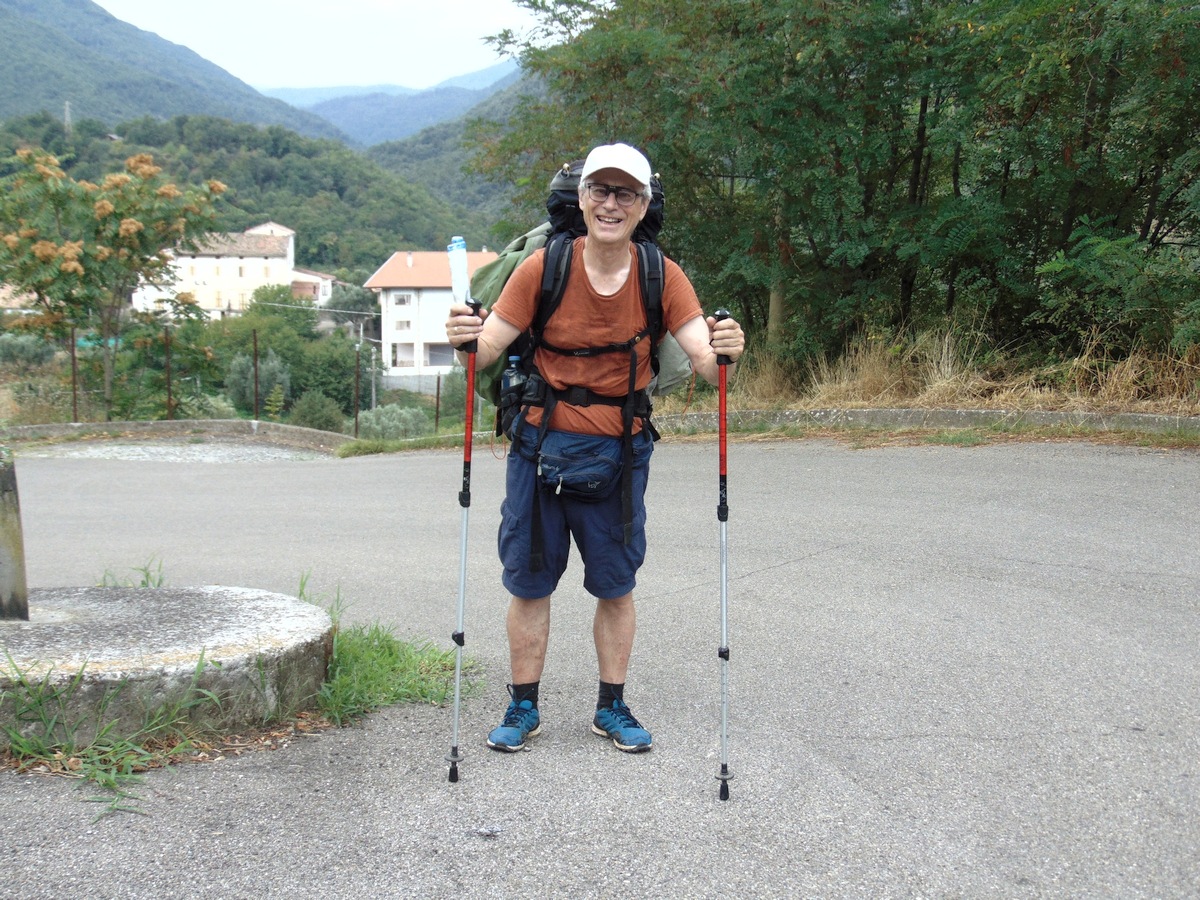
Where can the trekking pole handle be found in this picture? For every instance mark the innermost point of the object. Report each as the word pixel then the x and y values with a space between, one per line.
pixel 721 315
pixel 472 346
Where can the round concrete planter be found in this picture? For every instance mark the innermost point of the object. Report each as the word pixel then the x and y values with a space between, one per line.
pixel 223 657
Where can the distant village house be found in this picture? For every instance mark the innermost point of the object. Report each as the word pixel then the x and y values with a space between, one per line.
pixel 415 298
pixel 225 270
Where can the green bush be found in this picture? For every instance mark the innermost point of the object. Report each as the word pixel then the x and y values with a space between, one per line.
pixel 24 351
pixel 392 423
pixel 239 382
pixel 315 410
pixel 204 406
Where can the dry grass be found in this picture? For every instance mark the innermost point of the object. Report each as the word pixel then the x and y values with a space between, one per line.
pixel 949 369
pixel 953 370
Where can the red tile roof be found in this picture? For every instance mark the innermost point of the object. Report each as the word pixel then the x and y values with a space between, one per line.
pixel 422 269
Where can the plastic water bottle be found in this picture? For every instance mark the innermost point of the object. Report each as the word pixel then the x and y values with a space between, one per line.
pixel 512 377
pixel 460 282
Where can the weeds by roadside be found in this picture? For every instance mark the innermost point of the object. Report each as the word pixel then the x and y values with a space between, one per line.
pixel 372 668
pixel 151 576
pixel 45 739
pixel 959 368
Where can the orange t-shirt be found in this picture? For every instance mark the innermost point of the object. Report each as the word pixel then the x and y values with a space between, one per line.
pixel 586 318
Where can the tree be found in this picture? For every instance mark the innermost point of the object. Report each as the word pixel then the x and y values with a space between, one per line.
pixel 272 373
pixel 148 342
pixel 327 366
pixel 847 165
pixel 80 249
pixel 357 306
pixel 277 301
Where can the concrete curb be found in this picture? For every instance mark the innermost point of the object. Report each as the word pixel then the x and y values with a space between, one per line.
pixel 114 655
pixel 329 442
pixel 929 418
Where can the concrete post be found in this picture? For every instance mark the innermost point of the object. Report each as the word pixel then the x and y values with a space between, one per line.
pixel 14 595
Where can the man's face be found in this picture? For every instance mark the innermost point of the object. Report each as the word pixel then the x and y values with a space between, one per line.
pixel 607 220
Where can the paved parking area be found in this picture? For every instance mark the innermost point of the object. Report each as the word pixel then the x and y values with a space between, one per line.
pixel 955 673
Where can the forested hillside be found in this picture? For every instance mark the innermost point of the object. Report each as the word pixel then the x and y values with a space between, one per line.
pixel 835 172
pixel 438 157
pixel 55 52
pixel 349 213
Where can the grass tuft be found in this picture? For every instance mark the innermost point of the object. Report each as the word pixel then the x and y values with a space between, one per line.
pixel 371 668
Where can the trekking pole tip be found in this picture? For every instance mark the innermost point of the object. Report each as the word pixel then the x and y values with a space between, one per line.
pixel 454 773
pixel 725 777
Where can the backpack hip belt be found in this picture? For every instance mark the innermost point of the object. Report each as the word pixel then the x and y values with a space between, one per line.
pixel 634 405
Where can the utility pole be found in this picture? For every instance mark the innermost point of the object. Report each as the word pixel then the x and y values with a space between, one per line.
pixel 357 376
pixel 254 333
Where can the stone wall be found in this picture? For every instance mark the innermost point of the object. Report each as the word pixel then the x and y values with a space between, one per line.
pixel 267 432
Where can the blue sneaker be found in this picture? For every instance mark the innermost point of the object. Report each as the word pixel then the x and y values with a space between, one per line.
pixel 617 722
pixel 521 721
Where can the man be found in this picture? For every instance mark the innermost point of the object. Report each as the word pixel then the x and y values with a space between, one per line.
pixel 601 307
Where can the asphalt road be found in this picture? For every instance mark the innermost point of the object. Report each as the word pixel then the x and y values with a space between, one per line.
pixel 955 673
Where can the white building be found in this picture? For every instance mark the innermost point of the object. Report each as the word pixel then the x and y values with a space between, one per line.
pixel 225 270
pixel 415 299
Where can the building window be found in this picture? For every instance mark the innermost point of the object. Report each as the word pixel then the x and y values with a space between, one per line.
pixel 439 355
pixel 402 356
pixel 404 325
pixel 401 299
pixel 241 271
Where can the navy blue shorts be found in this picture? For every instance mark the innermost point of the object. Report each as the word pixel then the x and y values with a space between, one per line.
pixel 597 527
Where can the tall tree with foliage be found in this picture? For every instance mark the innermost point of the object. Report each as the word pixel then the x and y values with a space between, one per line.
pixel 1092 129
pixel 845 165
pixel 80 249
pixel 278 301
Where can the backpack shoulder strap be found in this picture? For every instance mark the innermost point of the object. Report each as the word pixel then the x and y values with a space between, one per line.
pixel 652 274
pixel 559 249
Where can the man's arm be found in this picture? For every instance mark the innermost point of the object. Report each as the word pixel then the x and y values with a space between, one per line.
pixel 703 339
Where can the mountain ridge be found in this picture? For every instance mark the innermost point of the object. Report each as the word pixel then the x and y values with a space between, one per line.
pixel 306 98
pixel 372 119
pixel 57 51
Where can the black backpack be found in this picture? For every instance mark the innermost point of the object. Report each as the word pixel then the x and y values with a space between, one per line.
pixel 565 223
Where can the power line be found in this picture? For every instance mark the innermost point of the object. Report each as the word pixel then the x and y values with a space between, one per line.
pixel 349 312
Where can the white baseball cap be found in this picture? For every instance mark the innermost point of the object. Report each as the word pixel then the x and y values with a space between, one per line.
pixel 617 156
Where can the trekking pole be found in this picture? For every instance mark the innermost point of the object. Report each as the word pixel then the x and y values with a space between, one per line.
pixel 723 363
pixel 462 291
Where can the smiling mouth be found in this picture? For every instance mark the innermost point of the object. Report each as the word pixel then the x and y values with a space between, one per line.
pixel 608 220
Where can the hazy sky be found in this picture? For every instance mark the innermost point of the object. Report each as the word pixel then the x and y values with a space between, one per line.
pixel 323 43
